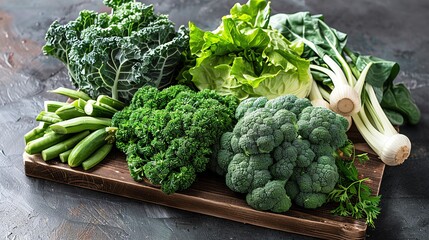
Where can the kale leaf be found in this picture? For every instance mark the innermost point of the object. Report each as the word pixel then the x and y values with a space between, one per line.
pixel 117 53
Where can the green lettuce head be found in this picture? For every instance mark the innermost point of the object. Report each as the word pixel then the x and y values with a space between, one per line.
pixel 245 57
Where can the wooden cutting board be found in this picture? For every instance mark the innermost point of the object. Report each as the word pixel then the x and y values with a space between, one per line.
pixel 209 195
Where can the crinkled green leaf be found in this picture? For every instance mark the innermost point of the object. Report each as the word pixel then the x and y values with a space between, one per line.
pixel 245 57
pixel 117 53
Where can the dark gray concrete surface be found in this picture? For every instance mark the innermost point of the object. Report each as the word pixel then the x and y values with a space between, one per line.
pixel 37 209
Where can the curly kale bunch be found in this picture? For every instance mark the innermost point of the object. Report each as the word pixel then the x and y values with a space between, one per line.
pixel 282 150
pixel 168 135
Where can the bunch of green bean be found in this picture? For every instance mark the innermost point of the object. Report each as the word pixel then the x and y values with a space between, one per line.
pixel 78 132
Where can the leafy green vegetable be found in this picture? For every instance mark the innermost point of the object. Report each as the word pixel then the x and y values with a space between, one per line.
pixel 117 53
pixel 353 195
pixel 358 84
pixel 168 135
pixel 244 57
pixel 398 99
pixel 319 38
pixel 321 41
pixel 281 142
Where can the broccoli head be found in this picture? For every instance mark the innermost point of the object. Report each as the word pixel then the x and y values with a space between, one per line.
pixel 289 155
pixel 309 186
pixel 282 150
pixel 168 136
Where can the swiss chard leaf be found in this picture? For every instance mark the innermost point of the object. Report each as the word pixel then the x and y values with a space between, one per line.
pixel 382 72
pixel 395 99
pixel 398 99
pixel 320 38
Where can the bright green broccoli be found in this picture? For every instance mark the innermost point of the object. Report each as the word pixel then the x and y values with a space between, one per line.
pixel 322 126
pixel 288 102
pixel 262 130
pixel 249 105
pixel 246 173
pixel 313 183
pixel 168 135
pixel 270 197
pixel 282 151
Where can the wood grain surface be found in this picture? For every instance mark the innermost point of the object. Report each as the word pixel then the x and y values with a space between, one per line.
pixel 209 195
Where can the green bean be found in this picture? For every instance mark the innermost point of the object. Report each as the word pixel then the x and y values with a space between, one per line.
pixel 65 155
pixel 69 111
pixel 92 109
pixel 48 117
pixel 52 106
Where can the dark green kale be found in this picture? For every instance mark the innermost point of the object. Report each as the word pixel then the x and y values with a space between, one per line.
pixel 115 54
pixel 168 135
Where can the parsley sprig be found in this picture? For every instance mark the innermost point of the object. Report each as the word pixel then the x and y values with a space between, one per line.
pixel 353 196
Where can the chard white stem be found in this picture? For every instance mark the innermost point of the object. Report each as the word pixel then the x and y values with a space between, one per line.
pixel 379 113
pixel 336 69
pixel 316 97
pixel 358 85
pixel 324 93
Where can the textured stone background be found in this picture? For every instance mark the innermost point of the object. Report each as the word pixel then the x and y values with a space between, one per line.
pixel 37 209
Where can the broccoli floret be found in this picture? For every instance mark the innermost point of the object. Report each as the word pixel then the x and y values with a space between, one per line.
pixel 225 153
pixel 249 105
pixel 285 157
pixel 288 102
pixel 262 130
pixel 320 125
pixel 222 154
pixel 248 172
pixel 291 154
pixel 172 133
pixel 305 154
pixel 315 182
pixel 271 197
pixel 310 200
pixel 324 149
